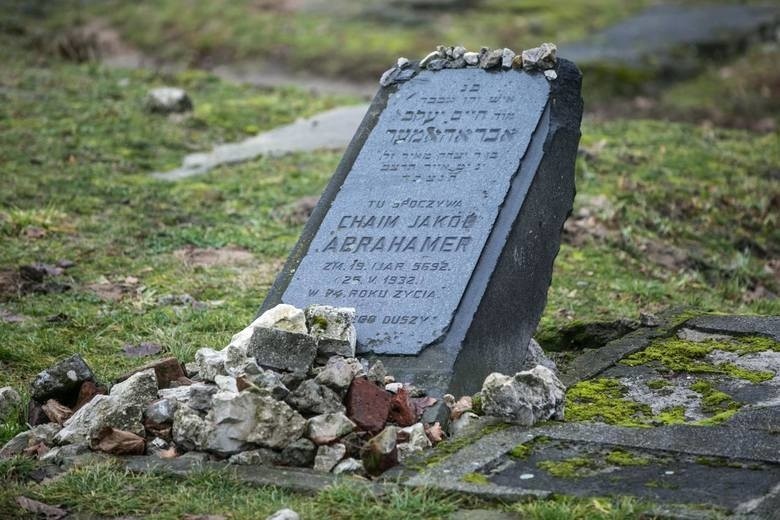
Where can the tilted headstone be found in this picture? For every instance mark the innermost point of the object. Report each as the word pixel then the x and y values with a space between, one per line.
pixel 442 221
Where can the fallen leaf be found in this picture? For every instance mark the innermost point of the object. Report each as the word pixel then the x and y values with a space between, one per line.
pixel 39 508
pixel 56 412
pixel 141 350
pixel 119 442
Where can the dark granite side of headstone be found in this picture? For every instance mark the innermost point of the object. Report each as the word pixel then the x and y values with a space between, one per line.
pixel 442 222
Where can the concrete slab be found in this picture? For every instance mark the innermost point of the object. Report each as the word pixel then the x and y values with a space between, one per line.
pixel 329 130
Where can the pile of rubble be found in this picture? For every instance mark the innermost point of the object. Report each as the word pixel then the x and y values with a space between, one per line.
pixel 287 390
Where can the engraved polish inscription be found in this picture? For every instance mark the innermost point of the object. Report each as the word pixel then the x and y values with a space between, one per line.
pixel 404 233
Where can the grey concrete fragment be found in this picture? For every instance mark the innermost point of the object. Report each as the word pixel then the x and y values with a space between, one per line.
pixel 62 380
pixel 282 350
pixel 328 456
pixel 525 398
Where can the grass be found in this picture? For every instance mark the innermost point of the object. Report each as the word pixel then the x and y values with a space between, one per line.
pixel 107 490
pixel 332 41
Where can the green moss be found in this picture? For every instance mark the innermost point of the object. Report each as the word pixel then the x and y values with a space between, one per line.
pixel 624 458
pixel 717 462
pixel 475 478
pixel 673 415
pixel 573 467
pixel 680 355
pixel 657 384
pixel 476 403
pixel 521 451
pixel 319 322
pixel 603 400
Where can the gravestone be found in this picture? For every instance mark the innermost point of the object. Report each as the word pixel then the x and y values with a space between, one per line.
pixel 442 221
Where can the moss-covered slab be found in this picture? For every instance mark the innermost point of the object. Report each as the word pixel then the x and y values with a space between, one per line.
pixel 721 469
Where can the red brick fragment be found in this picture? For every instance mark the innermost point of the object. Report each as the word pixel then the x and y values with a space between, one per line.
pixel 168 371
pixel 368 405
pixel 87 392
pixel 402 409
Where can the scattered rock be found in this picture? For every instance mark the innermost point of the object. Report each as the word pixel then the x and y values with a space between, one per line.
pixel 138 389
pixel 269 381
pixel 10 401
pixel 160 411
pixel 189 429
pixel 380 452
pixel 284 514
pixel 338 373
pixel 300 454
pixel 368 405
pixel 101 412
pixel 334 329
pixel 282 350
pixel 169 371
pixel 313 398
pixel 226 384
pixel 62 381
pixel 168 100
pixel 525 398
pixel 211 363
pixel 417 441
pixel 254 418
pixel 328 456
pixel 402 410
pixel 258 457
pixel 349 466
pixel 326 428
pixel 462 424
pixel 377 374
pixel 118 442
pixel 542 57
